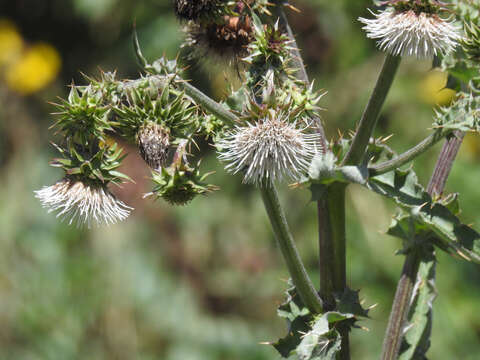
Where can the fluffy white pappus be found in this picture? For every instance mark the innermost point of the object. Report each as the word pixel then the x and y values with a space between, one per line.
pixel 269 150
pixel 82 203
pixel 409 34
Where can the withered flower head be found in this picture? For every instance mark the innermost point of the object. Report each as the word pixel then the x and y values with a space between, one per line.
pixel 193 9
pixel 153 142
pixel 228 39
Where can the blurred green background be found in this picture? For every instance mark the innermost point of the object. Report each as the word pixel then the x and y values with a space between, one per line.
pixel 200 282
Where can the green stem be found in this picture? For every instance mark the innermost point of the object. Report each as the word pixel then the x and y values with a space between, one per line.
pixel 299 275
pixel 332 254
pixel 332 240
pixel 370 115
pixel 408 155
pixel 209 104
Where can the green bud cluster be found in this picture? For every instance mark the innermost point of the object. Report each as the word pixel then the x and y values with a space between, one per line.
pixel 153 112
pixel 84 125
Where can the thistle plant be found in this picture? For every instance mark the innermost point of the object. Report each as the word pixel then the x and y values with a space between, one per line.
pixel 269 131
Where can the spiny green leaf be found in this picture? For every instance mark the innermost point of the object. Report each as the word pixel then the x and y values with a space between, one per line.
pixel 349 303
pixel 323 170
pixel 298 318
pixel 323 341
pixel 432 221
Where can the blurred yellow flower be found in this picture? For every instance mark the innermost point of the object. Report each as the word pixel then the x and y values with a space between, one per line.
pixel 11 42
pixel 432 89
pixel 35 69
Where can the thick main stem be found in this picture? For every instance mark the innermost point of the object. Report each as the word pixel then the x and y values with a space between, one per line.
pixel 299 275
pixel 332 254
pixel 332 241
pixel 403 294
pixel 370 115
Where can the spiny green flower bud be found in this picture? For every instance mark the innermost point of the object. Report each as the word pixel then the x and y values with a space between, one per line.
pixel 471 43
pixel 463 114
pixel 271 45
pixel 94 161
pixel 179 183
pixel 153 142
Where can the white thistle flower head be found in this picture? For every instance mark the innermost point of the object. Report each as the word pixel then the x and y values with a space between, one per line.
pixel 271 149
pixel 82 203
pixel 407 33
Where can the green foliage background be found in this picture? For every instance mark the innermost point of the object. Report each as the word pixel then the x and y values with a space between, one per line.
pixel 202 282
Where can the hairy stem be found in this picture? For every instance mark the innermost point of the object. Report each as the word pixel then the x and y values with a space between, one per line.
pixel 370 115
pixel 299 275
pixel 403 294
pixel 400 307
pixel 408 155
pixel 444 163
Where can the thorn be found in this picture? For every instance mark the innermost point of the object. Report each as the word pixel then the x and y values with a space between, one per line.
pixel 462 255
pixel 291 7
pixel 386 138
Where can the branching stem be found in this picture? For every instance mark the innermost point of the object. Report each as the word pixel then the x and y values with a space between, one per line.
pixel 209 104
pixel 408 155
